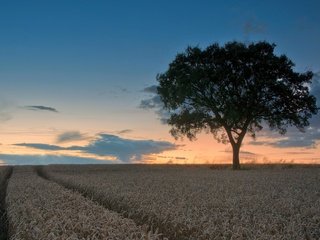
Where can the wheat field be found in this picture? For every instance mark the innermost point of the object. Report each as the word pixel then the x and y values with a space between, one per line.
pixel 5 173
pixel 40 209
pixel 162 202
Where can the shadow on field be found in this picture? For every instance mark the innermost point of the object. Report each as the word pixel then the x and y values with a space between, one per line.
pixel 3 215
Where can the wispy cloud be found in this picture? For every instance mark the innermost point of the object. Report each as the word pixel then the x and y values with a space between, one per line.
pixel 124 131
pixel 151 103
pixel 125 150
pixel 154 103
pixel 151 89
pixel 40 146
pixel 114 92
pixel 70 136
pixel 41 108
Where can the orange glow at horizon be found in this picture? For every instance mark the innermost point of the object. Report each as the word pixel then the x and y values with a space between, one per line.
pixel 204 150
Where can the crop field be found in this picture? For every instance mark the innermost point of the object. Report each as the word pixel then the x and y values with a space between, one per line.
pixel 5 173
pixel 40 209
pixel 162 202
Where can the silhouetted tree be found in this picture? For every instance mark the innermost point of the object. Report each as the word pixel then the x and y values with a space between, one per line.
pixel 233 89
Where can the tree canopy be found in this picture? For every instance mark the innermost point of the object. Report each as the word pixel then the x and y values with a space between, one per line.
pixel 234 89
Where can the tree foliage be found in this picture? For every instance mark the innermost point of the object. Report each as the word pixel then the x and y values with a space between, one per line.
pixel 233 89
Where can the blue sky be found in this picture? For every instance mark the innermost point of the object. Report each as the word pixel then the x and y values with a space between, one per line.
pixel 91 60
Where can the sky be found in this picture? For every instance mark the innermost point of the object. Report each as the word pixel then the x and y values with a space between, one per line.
pixel 77 77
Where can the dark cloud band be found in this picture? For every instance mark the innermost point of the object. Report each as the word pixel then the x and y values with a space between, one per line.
pixel 125 150
pixel 70 136
pixel 41 108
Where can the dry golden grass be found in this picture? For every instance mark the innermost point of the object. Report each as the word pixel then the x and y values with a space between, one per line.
pixel 201 203
pixel 40 209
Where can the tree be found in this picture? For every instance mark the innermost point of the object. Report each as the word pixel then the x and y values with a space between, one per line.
pixel 232 90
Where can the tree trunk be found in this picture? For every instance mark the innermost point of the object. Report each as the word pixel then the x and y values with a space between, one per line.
pixel 236 159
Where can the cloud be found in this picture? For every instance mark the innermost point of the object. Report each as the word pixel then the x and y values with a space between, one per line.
pixel 154 103
pixel 125 150
pixel 40 146
pixel 248 153
pixel 151 103
pixel 310 138
pixel 151 89
pixel 70 136
pixel 41 108
pixel 15 159
pixel 293 138
pixel 114 92
pixel 124 131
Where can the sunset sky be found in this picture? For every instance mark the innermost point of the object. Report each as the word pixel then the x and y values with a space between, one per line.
pixel 77 77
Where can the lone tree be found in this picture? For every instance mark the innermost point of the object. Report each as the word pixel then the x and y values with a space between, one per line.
pixel 232 90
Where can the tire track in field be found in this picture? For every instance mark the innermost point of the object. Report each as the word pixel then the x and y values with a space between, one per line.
pixel 165 230
pixel 39 209
pixel 3 213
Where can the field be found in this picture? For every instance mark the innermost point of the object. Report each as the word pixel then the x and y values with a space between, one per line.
pixel 161 202
pixel 5 173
